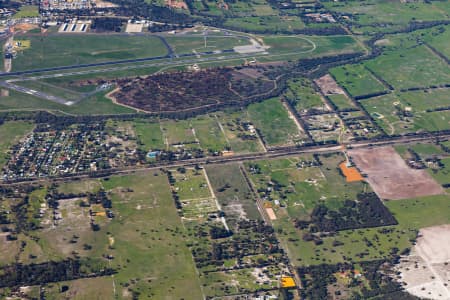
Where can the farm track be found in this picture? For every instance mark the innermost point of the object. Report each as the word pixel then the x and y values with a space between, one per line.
pixel 272 153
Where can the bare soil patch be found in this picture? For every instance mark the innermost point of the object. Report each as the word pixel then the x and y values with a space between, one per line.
pixel 390 177
pixel 426 271
pixel 328 85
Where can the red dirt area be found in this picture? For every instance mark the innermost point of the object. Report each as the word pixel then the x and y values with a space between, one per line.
pixel 389 175
pixel 351 173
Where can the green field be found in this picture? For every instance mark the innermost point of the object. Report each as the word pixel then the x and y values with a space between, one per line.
pixel 260 24
pixel 341 101
pixel 188 44
pixel 442 175
pixel 413 214
pixel 145 239
pixel 299 45
pixel 209 134
pixel 27 11
pixel 425 151
pixel 413 67
pixel 369 15
pixel 63 50
pixel 273 121
pixel 232 192
pixel 303 97
pixel 236 134
pixel 441 41
pixel 357 80
pixel 179 132
pixel 372 243
pixel 149 135
pixel 191 184
pixel 406 112
pixel 300 189
pixel 10 134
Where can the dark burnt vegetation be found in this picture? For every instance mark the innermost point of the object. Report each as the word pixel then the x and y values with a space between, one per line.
pixel 175 91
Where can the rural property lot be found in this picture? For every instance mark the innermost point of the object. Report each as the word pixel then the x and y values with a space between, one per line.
pixel 390 177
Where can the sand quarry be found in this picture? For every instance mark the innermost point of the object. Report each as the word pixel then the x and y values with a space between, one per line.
pixel 426 271
pixel 390 177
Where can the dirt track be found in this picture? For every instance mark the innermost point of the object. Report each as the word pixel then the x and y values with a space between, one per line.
pixel 390 177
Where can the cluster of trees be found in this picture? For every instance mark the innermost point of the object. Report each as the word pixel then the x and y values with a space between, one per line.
pixel 107 24
pixel 52 271
pixel 251 237
pixel 367 211
pixel 147 10
pixel 316 279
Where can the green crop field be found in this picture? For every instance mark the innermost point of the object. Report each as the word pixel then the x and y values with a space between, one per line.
pixel 407 68
pixel 10 134
pixel 357 80
pixel 63 50
pixel 273 121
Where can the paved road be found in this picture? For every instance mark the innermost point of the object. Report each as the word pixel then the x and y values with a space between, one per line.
pixel 108 63
pixel 35 93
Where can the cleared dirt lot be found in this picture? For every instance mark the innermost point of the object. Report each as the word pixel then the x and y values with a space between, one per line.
pixel 390 177
pixel 426 271
pixel 328 85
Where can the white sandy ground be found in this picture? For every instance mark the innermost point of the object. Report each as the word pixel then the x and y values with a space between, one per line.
pixel 426 271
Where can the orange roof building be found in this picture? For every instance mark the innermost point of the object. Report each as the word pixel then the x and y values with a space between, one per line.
pixel 351 173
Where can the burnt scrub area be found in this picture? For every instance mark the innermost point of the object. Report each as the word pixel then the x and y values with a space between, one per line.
pixel 194 91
